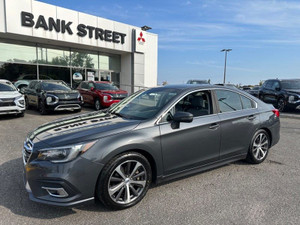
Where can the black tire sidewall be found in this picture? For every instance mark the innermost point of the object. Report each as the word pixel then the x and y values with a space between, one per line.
pixel 102 185
pixel 250 155
pixel 42 108
pixel 284 105
pixel 99 104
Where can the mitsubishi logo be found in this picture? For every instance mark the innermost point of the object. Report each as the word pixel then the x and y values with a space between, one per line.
pixel 140 39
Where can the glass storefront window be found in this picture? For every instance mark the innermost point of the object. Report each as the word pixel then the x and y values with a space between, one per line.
pixel 110 62
pixel 14 72
pixel 53 56
pixel 84 60
pixel 55 73
pixel 104 62
pixel 17 53
pixel 115 63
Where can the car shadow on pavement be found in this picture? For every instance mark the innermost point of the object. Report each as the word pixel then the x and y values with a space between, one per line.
pixel 14 197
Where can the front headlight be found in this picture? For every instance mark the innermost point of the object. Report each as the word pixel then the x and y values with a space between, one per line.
pixel 20 100
pixel 64 154
pixel 293 98
pixel 51 99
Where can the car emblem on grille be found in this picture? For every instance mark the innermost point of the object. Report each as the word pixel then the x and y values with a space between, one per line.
pixel 67 96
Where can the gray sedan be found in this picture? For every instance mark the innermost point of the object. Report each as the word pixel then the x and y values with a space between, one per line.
pixel 152 136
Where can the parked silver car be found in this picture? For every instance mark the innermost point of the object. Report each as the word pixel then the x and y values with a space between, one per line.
pixel 151 136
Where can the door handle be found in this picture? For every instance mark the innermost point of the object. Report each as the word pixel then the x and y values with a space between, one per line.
pixel 214 126
pixel 252 117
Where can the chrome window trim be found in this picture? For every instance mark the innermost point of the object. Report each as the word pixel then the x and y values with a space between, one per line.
pixel 157 122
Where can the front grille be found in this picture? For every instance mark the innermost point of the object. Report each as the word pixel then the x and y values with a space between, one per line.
pixel 119 96
pixel 4 104
pixel 27 151
pixel 7 102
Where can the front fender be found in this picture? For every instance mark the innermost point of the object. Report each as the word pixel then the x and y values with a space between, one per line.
pixel 143 140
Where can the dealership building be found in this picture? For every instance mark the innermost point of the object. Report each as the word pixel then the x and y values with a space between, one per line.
pixel 42 41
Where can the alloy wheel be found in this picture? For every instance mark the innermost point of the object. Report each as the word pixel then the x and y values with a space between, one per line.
pixel 260 146
pixel 97 105
pixel 127 182
pixel 281 105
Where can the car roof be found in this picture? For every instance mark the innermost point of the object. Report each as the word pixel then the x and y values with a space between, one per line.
pixel 194 86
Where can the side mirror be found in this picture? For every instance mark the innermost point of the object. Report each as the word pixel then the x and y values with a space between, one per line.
pixel 277 89
pixel 181 117
pixel 92 89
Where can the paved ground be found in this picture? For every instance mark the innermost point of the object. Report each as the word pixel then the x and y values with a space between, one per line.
pixel 238 193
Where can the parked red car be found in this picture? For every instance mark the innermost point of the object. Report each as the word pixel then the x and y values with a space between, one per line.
pixel 101 94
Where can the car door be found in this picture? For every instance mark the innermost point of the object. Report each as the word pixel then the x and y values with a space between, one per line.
pixel 83 91
pixel 192 144
pixel 91 95
pixel 268 92
pixel 274 92
pixel 30 92
pixel 239 120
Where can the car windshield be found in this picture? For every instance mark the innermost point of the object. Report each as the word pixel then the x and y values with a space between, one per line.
pixel 55 86
pixel 7 87
pixel 197 82
pixel 144 104
pixel 106 86
pixel 290 84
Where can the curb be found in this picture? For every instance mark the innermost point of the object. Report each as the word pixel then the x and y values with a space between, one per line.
pixel 290 116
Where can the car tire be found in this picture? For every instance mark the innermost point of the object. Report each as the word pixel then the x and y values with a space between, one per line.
pixel 97 104
pixel 128 174
pixel 42 108
pixel 259 147
pixel 21 114
pixel 281 105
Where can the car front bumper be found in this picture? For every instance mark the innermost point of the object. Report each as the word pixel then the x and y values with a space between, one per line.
pixel 62 184
pixel 4 110
pixel 294 105
pixel 65 106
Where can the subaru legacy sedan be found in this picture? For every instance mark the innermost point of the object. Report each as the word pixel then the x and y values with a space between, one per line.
pixel 151 136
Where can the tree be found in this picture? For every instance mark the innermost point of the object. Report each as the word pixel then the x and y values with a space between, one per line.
pixel 164 83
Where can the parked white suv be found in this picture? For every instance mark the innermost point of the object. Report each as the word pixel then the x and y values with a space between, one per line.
pixel 11 100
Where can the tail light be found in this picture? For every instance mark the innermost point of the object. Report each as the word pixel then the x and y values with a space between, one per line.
pixel 276 112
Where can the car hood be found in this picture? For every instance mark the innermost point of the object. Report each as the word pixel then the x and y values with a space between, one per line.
pixel 114 92
pixel 82 128
pixel 9 94
pixel 294 91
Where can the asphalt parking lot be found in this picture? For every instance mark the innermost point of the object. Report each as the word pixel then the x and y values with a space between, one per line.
pixel 237 193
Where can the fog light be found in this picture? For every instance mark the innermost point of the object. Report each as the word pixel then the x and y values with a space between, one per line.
pixel 56 192
pixel 291 99
pixel 22 102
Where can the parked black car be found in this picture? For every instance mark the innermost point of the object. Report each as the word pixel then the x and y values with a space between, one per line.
pixel 153 135
pixel 52 95
pixel 254 91
pixel 283 94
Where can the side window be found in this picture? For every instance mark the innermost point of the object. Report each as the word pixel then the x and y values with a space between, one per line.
pixel 247 103
pixel 228 101
pixel 269 84
pixel 32 84
pixel 84 85
pixel 197 103
pixel 90 85
pixel 275 85
pixel 38 86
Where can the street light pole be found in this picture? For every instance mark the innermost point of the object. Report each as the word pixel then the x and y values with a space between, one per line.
pixel 226 51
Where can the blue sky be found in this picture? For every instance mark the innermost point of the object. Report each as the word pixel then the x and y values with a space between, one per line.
pixel 264 36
